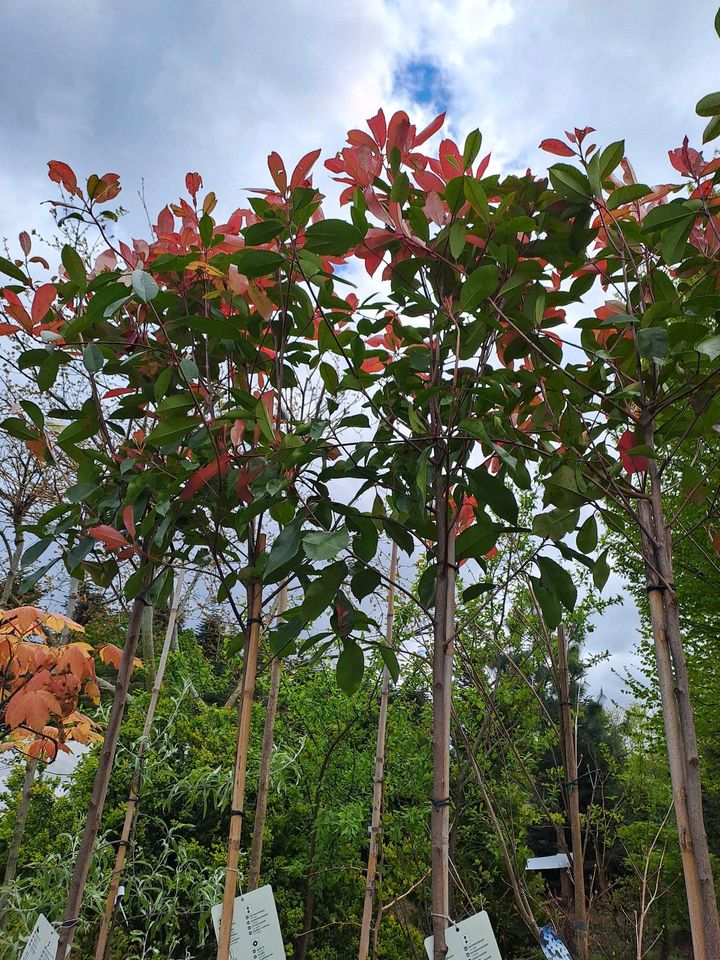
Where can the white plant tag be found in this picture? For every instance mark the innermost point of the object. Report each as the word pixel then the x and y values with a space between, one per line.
pixel 43 942
pixel 471 939
pixel 256 931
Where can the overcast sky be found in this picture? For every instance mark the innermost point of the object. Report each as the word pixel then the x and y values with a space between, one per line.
pixel 153 89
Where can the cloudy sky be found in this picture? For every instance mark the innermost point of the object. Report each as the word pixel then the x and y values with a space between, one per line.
pixel 153 89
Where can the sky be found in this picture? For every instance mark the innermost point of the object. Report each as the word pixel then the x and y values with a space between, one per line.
pixel 153 89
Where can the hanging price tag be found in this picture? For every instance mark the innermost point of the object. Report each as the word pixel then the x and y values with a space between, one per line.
pixel 43 942
pixel 256 931
pixel 471 939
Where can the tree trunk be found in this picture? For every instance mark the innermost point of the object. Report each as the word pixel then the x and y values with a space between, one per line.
pixel 148 645
pixel 379 780
pixel 265 761
pixel 102 777
pixel 18 830
pixel 673 737
pixel 443 635
pixel 693 787
pixel 14 567
pixel 241 758
pixel 573 796
pixel 131 811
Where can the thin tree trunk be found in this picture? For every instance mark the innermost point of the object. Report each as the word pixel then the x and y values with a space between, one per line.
pixel 70 607
pixel 379 780
pixel 181 610
pixel 18 830
pixel 258 836
pixel 673 738
pixel 241 758
pixel 443 635
pixel 102 777
pixel 14 567
pixel 148 645
pixel 693 786
pixel 573 797
pixel 131 811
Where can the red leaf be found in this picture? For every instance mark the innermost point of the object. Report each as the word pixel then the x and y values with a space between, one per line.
pixel 61 173
pixel 277 171
pixel 108 535
pixel 42 301
pixel 218 467
pixel 303 168
pixel 632 464
pixel 129 520
pixel 429 130
pixel 193 182
pixel 557 147
pixel 378 126
pixel 7 328
pixel 25 242
pixel 16 310
pixel 117 392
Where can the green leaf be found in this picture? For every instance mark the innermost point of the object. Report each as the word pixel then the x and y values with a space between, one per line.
pixel 668 213
pixel 717 23
pixel 206 229
pixel 399 534
pixel 331 237
pixel 17 428
pixel 172 430
pixel 709 105
pixel 10 270
pixel 712 130
pixel 256 263
pixel 35 551
pixel 364 581
pixel 34 412
pixel 555 524
pixel 28 582
pixel 325 544
pixel 476 197
pixel 587 536
pixel 674 241
pixel 475 590
pixel 144 285
pixel 559 581
pixel 390 661
pixel 492 490
pixel 549 603
pixel 478 286
pixel 93 359
pixel 623 195
pixel 570 182
pixel 601 571
pixel 285 547
pixel 611 157
pixel 264 232
pixel 189 369
pixel 473 143
pixel 74 266
pixel 653 343
pixel 350 667
pixel 322 591
pixel 458 235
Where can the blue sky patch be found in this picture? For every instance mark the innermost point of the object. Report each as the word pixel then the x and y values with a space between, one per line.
pixel 424 83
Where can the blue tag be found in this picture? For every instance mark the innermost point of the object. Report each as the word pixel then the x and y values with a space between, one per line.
pixel 552 945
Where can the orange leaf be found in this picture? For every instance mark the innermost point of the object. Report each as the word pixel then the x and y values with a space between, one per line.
pixel 42 301
pixel 109 536
pixel 557 147
pixel 61 173
pixel 32 708
pixel 111 655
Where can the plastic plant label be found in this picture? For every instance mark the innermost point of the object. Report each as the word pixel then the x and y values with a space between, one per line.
pixel 256 931
pixel 552 945
pixel 471 939
pixel 43 942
